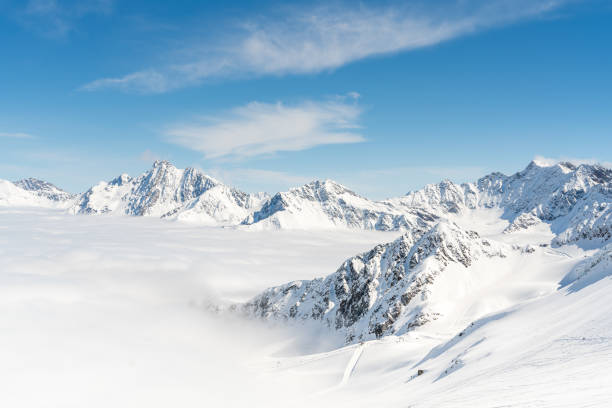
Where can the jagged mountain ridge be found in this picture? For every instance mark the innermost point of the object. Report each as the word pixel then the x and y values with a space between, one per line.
pixel 381 292
pixel 327 204
pixel 154 193
pixel 575 200
pixel 168 192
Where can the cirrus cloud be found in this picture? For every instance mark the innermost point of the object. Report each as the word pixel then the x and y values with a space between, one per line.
pixel 264 128
pixel 304 41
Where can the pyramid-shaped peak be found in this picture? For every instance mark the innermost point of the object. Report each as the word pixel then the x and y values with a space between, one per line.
pixel 324 189
pixel 326 183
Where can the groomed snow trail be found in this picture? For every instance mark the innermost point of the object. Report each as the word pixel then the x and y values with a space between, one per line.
pixel 350 367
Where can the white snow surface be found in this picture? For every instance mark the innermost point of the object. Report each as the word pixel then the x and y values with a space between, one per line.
pixel 113 311
pixel 12 195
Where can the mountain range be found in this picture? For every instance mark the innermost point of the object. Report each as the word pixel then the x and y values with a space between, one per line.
pixel 440 274
pixel 456 239
pixel 574 200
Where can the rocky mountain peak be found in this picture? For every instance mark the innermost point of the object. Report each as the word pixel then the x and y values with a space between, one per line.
pixel 322 190
pixel 162 164
pixel 380 292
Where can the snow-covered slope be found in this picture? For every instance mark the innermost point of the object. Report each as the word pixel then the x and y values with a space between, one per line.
pixel 219 205
pixel 32 193
pixel 44 189
pixel 594 268
pixel 327 204
pixel 552 352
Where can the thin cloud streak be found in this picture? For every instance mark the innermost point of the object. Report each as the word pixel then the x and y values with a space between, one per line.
pixel 16 135
pixel 326 38
pixel 260 129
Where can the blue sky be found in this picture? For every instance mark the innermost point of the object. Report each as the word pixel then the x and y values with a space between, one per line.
pixel 383 96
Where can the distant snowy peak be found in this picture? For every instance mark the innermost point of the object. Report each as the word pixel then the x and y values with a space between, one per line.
pixel 164 187
pixel 327 204
pixel 380 292
pixel 441 198
pixel 43 189
pixel 168 192
pixel 549 190
pixel 161 189
pixel 574 199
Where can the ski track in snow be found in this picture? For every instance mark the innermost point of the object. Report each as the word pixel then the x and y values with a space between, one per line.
pixel 350 367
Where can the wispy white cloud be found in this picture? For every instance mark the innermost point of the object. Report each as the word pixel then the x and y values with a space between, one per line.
pixel 16 135
pixel 263 128
pixel 323 38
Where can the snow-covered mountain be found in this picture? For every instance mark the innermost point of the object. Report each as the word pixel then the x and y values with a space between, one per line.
pixel 573 200
pixel 158 191
pixel 411 281
pixel 388 290
pixel 327 204
pixel 168 192
pixel 33 193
